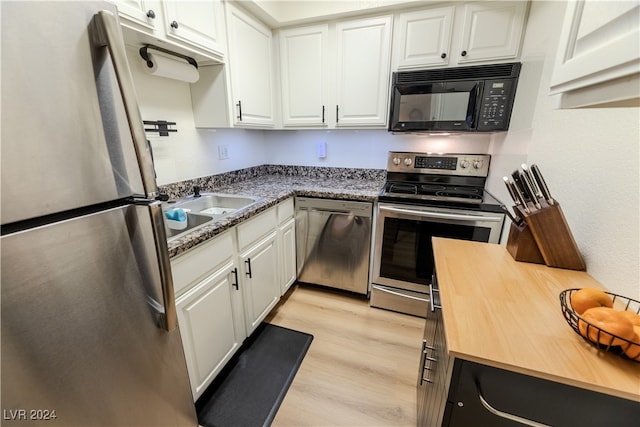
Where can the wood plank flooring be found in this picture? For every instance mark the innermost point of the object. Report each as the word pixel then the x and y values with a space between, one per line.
pixel 361 368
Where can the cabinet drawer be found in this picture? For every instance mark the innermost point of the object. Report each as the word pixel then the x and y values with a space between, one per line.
pixel 285 210
pixel 195 264
pixel 253 229
pixel 532 398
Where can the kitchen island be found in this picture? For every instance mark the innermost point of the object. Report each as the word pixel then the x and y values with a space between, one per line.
pixel 503 325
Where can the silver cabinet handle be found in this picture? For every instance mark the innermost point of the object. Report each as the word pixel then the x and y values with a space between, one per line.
pixel 105 31
pixel 423 357
pixel 160 238
pixel 508 416
pixel 431 300
pixel 400 294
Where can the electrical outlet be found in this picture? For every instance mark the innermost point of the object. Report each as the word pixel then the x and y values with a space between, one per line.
pixel 223 152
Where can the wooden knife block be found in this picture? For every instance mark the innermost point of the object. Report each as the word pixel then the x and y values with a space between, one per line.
pixel 522 246
pixel 547 229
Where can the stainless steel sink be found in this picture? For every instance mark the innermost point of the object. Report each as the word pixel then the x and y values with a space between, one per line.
pixel 215 204
pixel 206 208
pixel 193 221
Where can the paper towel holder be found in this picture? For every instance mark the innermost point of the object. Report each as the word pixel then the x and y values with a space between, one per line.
pixel 145 55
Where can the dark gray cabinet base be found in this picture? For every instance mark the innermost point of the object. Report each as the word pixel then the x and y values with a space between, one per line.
pixel 531 398
pixel 450 390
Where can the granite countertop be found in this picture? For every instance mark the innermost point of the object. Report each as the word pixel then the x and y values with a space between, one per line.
pixel 272 189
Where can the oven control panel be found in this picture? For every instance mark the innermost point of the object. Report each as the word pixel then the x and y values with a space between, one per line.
pixel 441 164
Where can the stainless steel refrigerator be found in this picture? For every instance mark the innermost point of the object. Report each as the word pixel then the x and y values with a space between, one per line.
pixel 89 329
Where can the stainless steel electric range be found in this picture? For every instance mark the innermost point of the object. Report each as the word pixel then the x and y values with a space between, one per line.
pixel 427 195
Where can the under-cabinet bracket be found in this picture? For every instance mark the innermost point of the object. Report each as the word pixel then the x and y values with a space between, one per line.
pixel 160 126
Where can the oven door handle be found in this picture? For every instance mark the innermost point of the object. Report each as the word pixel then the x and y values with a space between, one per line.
pixel 441 215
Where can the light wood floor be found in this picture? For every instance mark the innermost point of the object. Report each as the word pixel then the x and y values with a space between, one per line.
pixel 361 368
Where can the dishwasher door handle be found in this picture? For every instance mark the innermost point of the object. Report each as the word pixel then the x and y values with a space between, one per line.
pixel 329 211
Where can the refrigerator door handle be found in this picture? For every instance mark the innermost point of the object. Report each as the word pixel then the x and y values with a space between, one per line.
pixel 164 264
pixel 105 31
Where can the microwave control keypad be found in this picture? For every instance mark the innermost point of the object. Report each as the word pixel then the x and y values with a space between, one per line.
pixel 494 102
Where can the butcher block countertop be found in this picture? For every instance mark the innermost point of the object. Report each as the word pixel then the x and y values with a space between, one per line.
pixel 506 314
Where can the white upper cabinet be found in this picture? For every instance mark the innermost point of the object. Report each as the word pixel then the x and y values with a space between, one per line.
pixel 304 75
pixel 424 38
pixel 250 65
pixel 336 75
pixel 139 12
pixel 363 51
pixel 192 28
pixel 491 31
pixel 457 35
pixel 598 61
pixel 198 22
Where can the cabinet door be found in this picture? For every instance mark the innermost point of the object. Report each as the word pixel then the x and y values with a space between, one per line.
pixel 599 45
pixel 197 22
pixel 141 13
pixel 287 254
pixel 362 75
pixel 488 396
pixel 260 285
pixel 303 67
pixel 250 61
pixel 423 38
pixel 208 318
pixel 491 31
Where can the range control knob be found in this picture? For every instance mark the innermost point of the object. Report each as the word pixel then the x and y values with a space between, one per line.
pixel 396 161
pixel 464 163
pixel 477 164
pixel 408 161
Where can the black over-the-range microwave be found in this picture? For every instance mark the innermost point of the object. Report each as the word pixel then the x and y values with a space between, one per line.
pixel 461 99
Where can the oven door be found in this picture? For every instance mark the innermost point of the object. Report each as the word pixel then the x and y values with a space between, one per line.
pixel 403 258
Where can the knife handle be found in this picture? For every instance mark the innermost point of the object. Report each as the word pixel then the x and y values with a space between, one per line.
pixel 512 191
pixel 520 197
pixel 529 190
pixel 542 185
pixel 528 175
pixel 519 184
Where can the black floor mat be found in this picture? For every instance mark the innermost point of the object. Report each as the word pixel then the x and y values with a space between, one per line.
pixel 249 391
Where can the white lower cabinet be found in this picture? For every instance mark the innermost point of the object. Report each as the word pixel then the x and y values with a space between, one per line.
pixel 287 244
pixel 259 280
pixel 258 261
pixel 210 308
pixel 225 287
pixel 210 334
pixel 287 247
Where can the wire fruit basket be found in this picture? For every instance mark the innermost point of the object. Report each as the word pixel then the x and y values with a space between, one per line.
pixel 593 334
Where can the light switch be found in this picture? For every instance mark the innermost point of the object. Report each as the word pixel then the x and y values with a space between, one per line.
pixel 321 149
pixel 223 152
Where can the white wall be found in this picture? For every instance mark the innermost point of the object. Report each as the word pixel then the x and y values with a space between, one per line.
pixel 360 148
pixel 590 158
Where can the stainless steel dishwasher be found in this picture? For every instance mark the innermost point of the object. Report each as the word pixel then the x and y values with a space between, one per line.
pixel 333 240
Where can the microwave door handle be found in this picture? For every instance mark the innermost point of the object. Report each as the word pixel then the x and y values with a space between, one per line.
pixel 471 112
pixel 442 215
